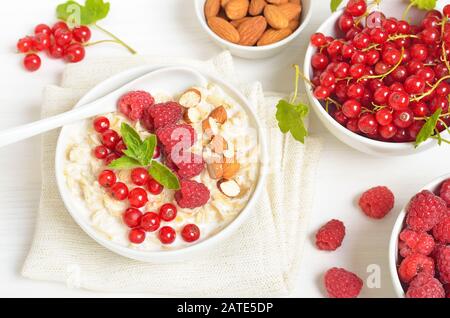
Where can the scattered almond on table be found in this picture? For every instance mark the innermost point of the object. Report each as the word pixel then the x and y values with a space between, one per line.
pixel 253 22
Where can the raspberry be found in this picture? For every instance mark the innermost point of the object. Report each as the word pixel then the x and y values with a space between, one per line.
pixel 165 114
pixel 132 104
pixel 377 202
pixel 441 231
pixel 192 194
pixel 414 264
pixel 425 286
pixel 181 135
pixel 188 165
pixel 147 120
pixel 415 242
pixel 342 284
pixel 444 192
pixel 425 210
pixel 443 264
pixel 330 236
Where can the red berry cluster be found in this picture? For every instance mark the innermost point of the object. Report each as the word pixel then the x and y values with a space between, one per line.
pixel 376 203
pixel 58 41
pixel 424 251
pixel 383 78
pixel 111 149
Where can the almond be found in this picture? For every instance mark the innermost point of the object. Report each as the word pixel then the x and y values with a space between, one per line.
pixel 256 7
pixel 212 8
pixel 219 115
pixel 237 9
pixel 223 3
pixel 230 168
pixel 210 127
pixel 272 36
pixel 294 24
pixel 230 188
pixel 191 98
pixel 291 10
pixel 224 29
pixel 218 144
pixel 299 2
pixel 251 30
pixel 215 170
pixel 192 115
pixel 238 22
pixel 275 18
pixel 277 1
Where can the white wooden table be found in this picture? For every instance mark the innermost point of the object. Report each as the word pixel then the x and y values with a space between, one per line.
pixel 169 27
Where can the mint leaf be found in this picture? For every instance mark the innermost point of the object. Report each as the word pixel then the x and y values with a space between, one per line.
pixel 424 4
pixel 76 14
pixel 124 162
pixel 290 119
pixel 429 128
pixel 334 5
pixel 148 149
pixel 164 176
pixel 132 140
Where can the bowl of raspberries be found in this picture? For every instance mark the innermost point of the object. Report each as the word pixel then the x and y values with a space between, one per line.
pixel 419 251
pixel 379 83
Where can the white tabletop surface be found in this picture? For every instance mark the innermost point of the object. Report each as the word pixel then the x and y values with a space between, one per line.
pixel 167 27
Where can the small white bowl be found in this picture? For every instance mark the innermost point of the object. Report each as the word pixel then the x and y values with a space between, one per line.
pixel 79 211
pixel 254 52
pixel 361 143
pixel 398 227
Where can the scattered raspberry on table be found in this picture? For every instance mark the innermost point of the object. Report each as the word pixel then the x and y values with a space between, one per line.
pixel 377 202
pixel 341 283
pixel 330 236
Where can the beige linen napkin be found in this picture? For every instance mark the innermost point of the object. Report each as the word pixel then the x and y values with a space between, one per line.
pixel 260 259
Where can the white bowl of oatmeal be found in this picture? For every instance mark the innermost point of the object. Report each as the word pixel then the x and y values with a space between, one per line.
pixel 133 209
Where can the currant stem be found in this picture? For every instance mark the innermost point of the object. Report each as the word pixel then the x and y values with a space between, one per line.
pixel 430 91
pixel 101 41
pixel 406 12
pixel 297 76
pixel 129 48
pixel 382 76
pixel 313 86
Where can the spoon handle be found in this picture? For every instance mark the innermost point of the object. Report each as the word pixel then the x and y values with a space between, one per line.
pixel 15 134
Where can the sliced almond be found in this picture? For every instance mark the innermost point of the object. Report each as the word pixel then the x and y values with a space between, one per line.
pixel 215 170
pixel 230 169
pixel 192 115
pixel 230 188
pixel 219 115
pixel 191 98
pixel 218 144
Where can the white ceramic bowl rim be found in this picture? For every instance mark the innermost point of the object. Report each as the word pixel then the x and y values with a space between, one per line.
pixel 305 18
pixel 398 227
pixel 109 85
pixel 307 71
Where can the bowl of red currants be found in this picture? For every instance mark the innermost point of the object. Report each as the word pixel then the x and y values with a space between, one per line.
pixel 381 84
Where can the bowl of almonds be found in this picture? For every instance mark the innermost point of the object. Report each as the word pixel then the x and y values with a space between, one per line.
pixel 253 28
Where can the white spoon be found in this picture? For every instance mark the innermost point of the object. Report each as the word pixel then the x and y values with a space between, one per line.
pixel 153 81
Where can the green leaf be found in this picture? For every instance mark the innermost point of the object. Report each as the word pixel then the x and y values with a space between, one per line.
pixel 76 14
pixel 148 149
pixel 424 4
pixel 164 176
pixel 124 162
pixel 428 129
pixel 132 140
pixel 334 5
pixel 290 119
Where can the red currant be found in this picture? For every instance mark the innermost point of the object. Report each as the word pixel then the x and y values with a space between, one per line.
pixel 56 51
pixel 447 11
pixel 318 40
pixel 398 100
pixel 414 85
pixel 190 233
pixel 387 132
pixel 384 117
pixel 403 118
pixel 136 236
pixel 419 52
pixel 110 138
pixel 368 124
pixel 139 176
pixel 352 125
pixel 138 197
pixel 150 222
pixel 381 95
pixel 119 191
pixel 63 37
pixel 132 217
pixel 357 71
pixel 420 109
pixel 319 61
pixel 32 62
pixel 168 212
pixel 75 53
pixel 81 34
pixel 120 147
pixel 351 108
pixel 356 8
pixel 154 187
pixel 391 56
pixel 24 45
pixel 101 152
pixel 322 92
pixel 378 36
pixel 42 29
pixel 111 157
pixel 101 124
pixel 355 91
pixel 41 42
pixel 61 25
pixel 107 178
pixel 167 235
